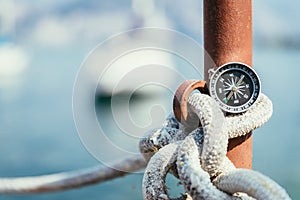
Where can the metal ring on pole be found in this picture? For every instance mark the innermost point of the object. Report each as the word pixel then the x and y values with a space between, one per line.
pixel 182 94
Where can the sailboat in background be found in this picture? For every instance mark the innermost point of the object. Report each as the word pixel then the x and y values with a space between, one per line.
pixel 138 64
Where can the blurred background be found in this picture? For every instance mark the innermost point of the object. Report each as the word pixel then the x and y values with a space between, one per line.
pixel 43 44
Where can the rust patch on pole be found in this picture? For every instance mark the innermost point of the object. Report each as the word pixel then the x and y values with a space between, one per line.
pixel 181 97
pixel 227 38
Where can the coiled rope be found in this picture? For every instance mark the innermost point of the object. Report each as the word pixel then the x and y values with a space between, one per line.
pixel 198 157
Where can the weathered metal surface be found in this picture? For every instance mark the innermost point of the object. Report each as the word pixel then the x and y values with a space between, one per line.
pixel 228 37
pixel 182 94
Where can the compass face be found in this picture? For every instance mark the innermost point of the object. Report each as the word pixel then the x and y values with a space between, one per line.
pixel 235 87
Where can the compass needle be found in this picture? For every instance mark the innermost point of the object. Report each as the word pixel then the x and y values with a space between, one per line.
pixel 229 96
pixel 240 81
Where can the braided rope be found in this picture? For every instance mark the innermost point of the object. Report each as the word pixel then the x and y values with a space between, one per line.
pixel 199 156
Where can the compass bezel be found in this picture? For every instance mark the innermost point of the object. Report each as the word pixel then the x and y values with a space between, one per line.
pixel 245 69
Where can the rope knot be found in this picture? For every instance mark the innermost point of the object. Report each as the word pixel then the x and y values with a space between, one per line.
pixel 197 154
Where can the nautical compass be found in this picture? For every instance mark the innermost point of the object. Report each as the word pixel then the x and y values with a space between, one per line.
pixel 234 86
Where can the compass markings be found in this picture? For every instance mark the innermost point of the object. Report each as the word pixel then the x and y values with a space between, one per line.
pixel 234 87
pixel 235 95
pixel 228 84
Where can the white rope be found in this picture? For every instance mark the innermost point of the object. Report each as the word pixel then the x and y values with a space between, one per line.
pixel 197 157
pixel 72 179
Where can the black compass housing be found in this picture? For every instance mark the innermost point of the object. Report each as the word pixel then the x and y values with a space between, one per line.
pixel 235 87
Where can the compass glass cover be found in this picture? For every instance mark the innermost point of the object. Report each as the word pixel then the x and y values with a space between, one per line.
pixel 235 87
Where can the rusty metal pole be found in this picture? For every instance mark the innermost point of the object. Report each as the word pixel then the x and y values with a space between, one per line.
pixel 228 38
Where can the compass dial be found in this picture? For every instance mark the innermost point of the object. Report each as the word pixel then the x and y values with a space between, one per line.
pixel 235 87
